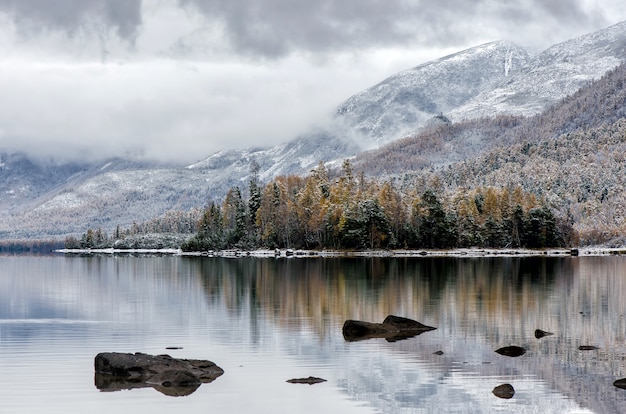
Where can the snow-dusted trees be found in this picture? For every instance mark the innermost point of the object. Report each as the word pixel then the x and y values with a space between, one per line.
pixel 433 226
pixel 356 213
pixel 210 235
pixel 313 202
pixel 352 212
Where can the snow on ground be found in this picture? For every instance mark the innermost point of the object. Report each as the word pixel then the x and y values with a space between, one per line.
pixel 270 253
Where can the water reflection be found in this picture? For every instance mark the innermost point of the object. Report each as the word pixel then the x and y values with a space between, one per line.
pixel 265 321
pixel 479 305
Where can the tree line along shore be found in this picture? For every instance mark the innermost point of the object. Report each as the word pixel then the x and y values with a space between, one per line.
pixel 349 212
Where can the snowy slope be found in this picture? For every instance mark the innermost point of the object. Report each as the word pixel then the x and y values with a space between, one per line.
pixel 113 197
pixel 404 101
pixel 550 76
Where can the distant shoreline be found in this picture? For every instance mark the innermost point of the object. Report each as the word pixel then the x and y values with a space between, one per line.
pixel 293 253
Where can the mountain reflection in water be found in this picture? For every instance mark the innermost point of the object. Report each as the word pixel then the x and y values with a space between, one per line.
pixel 278 319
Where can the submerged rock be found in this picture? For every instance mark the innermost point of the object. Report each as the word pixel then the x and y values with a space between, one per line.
pixel 511 351
pixel 393 328
pixel 170 376
pixel 308 380
pixel 587 348
pixel 505 391
pixel 540 334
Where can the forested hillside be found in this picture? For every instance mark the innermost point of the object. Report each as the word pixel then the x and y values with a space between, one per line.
pixel 582 175
pixel 599 103
pixel 572 156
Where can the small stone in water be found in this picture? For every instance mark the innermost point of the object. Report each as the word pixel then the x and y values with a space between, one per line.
pixel 309 380
pixel 505 391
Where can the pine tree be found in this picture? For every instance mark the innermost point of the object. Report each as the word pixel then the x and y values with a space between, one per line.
pixel 254 202
pixel 234 212
pixel 434 228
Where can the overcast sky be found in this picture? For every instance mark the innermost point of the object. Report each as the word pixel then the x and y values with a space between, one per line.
pixel 181 79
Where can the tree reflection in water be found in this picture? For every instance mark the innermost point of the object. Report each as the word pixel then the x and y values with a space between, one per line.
pixel 478 305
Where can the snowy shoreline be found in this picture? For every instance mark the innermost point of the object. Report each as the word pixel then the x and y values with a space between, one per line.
pixel 290 253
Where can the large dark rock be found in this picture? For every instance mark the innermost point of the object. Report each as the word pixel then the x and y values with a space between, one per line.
pixel 393 328
pixel 175 377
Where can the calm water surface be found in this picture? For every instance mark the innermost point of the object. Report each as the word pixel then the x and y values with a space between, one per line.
pixel 265 321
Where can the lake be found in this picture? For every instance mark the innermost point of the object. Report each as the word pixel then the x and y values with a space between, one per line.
pixel 265 321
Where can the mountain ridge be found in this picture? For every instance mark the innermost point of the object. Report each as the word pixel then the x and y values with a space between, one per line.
pixel 88 198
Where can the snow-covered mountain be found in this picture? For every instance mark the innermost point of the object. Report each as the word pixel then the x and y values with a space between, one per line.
pixel 403 102
pixel 496 78
pixel 550 76
pixel 486 80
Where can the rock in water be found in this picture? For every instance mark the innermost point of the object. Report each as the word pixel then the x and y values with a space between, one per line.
pixel 309 380
pixel 358 330
pixel 511 351
pixel 393 328
pixel 505 391
pixel 406 324
pixel 540 334
pixel 175 377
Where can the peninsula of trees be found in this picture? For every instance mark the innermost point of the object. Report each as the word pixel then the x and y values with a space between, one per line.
pixel 350 211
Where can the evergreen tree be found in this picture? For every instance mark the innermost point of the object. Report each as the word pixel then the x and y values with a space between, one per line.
pixel 254 202
pixel 234 218
pixel 434 229
pixel 210 234
pixel 366 226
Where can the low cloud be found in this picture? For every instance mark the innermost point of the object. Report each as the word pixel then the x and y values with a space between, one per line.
pixel 159 109
pixel 180 79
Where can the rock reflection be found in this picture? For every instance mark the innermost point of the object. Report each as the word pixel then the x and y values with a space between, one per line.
pixel 111 383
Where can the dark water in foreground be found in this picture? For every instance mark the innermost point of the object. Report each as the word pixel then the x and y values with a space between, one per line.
pixel 265 321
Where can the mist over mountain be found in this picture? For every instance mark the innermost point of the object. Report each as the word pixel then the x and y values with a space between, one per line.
pixel 447 96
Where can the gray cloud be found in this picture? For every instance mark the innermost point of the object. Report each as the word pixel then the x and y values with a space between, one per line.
pixel 274 28
pixel 124 16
